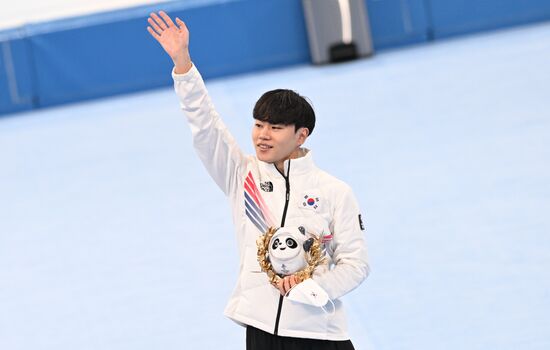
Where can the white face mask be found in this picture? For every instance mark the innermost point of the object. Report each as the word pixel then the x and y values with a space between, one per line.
pixel 310 293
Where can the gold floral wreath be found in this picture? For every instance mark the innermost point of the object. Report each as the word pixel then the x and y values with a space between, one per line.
pixel 314 257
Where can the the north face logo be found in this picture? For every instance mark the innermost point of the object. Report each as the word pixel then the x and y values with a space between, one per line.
pixel 266 186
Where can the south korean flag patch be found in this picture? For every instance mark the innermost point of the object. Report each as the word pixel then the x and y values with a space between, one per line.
pixel 310 201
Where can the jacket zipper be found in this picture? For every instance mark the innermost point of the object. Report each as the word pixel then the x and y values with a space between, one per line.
pixel 287 199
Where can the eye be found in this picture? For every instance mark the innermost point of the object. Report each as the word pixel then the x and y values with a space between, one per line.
pixel 291 243
pixel 276 243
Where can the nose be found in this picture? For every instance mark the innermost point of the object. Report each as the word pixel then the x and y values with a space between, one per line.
pixel 264 134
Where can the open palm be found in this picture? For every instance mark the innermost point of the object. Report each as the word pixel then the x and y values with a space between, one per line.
pixel 173 38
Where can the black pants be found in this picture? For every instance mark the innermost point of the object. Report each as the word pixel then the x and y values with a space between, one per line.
pixel 257 339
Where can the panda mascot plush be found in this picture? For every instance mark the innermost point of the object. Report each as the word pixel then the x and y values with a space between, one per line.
pixel 287 250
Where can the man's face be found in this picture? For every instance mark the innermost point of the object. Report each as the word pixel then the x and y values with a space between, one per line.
pixel 275 143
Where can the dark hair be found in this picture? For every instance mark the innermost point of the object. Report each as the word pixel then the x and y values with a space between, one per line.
pixel 285 107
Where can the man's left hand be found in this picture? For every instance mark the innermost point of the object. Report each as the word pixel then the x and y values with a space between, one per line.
pixel 286 284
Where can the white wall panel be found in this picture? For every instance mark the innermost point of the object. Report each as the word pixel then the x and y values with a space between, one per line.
pixel 16 13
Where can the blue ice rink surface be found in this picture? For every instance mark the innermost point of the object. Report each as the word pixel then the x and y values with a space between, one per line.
pixel 112 235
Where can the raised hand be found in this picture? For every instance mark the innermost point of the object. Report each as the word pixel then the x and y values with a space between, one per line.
pixel 173 38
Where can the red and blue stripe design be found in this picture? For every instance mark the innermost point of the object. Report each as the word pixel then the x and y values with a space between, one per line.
pixel 255 207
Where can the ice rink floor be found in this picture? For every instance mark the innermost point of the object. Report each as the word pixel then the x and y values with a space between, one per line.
pixel 113 237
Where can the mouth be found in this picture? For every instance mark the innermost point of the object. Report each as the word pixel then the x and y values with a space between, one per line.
pixel 263 146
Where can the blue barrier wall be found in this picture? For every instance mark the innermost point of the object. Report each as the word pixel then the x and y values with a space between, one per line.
pixel 16 72
pixel 111 53
pixel 397 22
pixel 451 18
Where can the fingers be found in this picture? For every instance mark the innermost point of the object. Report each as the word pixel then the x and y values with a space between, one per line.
pixel 167 19
pixel 158 21
pixel 292 282
pixel 153 33
pixel 181 23
pixel 159 24
pixel 286 284
pixel 280 286
pixel 154 26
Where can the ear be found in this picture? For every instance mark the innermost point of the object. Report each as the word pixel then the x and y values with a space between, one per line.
pixel 303 133
pixel 308 244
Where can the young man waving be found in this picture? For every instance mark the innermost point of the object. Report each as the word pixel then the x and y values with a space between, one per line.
pixel 279 187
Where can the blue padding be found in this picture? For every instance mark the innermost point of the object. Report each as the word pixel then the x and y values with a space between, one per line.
pixel 459 17
pixel 16 75
pixel 395 23
pixel 248 35
pixel 94 61
pixel 111 53
pixel 101 56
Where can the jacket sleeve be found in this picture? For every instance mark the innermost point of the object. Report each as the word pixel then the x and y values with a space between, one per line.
pixel 215 146
pixel 349 250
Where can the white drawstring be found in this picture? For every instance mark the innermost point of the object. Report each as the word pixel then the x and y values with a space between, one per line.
pixel 333 308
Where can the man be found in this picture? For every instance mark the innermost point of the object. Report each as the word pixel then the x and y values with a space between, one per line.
pixel 278 187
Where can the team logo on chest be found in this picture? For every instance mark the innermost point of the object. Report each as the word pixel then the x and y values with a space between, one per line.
pixel 310 202
pixel 266 186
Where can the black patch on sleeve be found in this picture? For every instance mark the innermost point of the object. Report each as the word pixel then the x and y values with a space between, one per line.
pixel 361 224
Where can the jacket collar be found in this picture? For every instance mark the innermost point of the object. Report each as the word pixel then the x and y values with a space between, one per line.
pixel 298 166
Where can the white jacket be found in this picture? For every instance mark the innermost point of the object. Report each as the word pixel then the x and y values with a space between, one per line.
pixel 260 197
